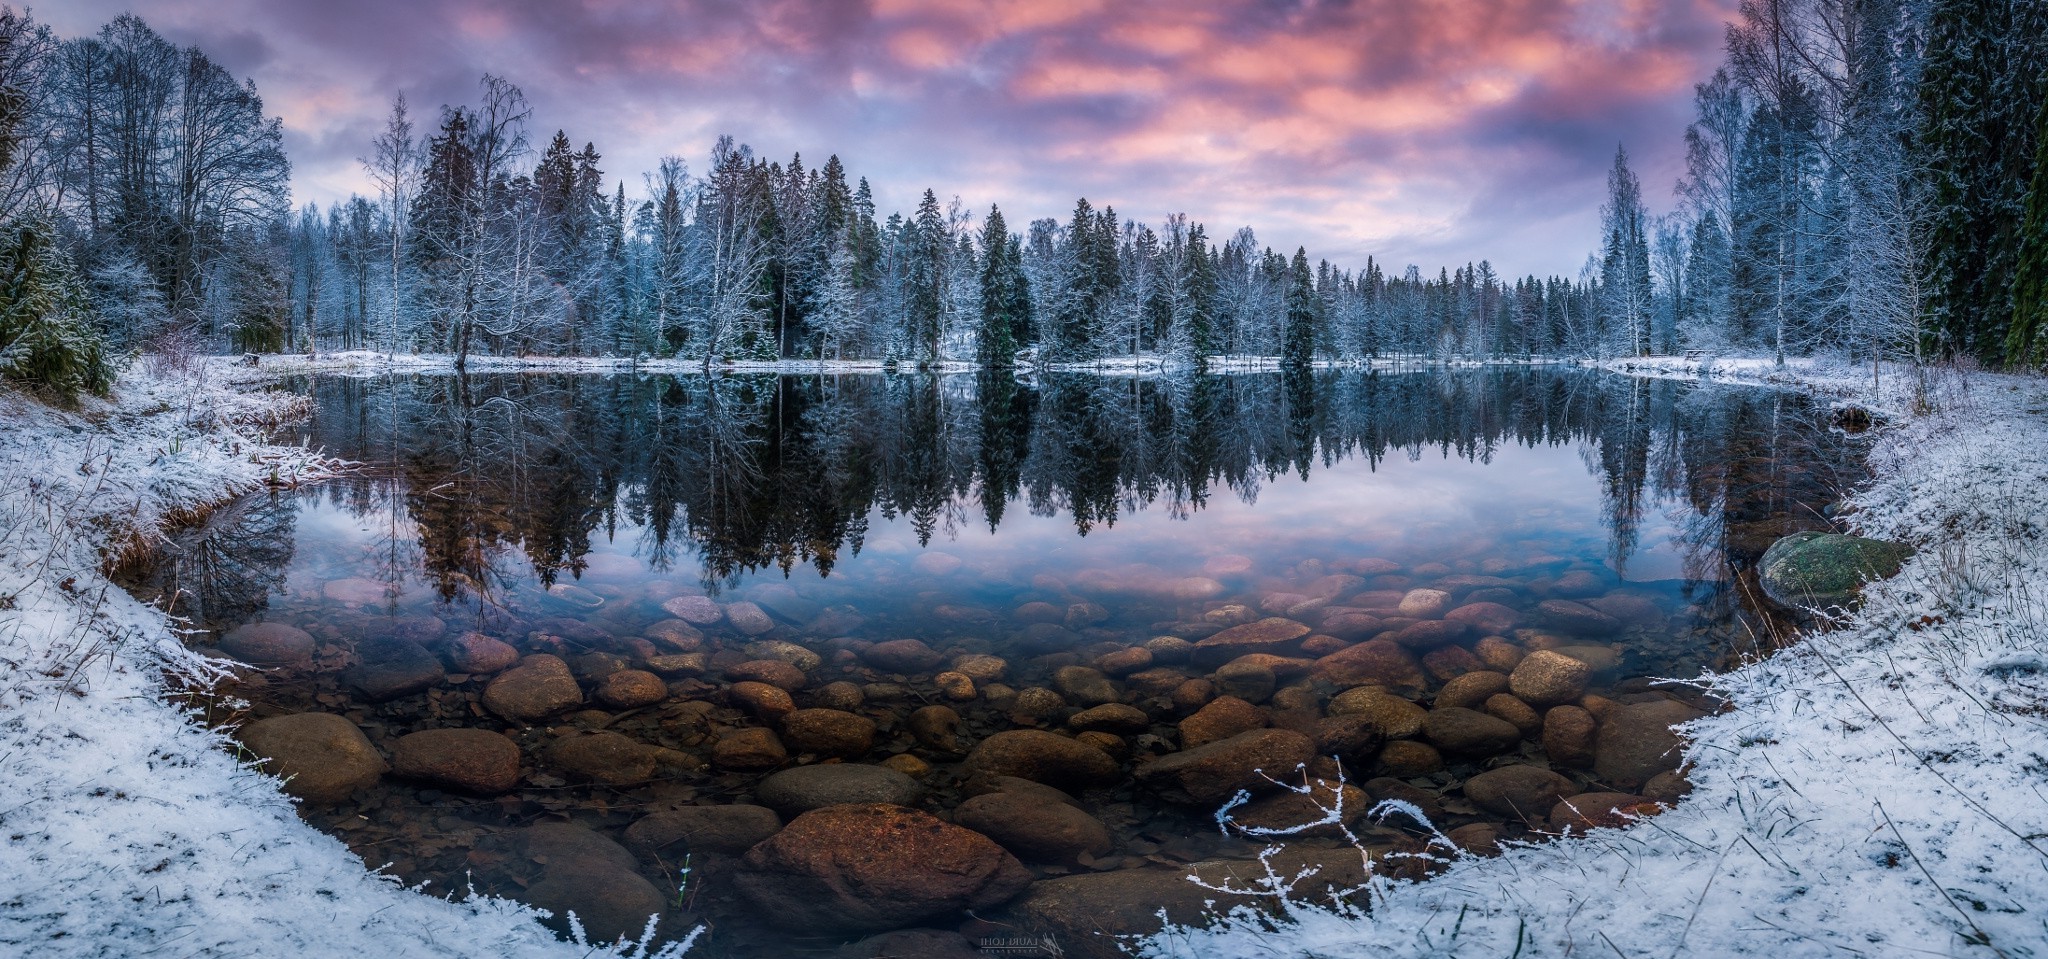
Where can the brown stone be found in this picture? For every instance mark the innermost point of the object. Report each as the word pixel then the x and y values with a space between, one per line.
pixel 1599 810
pixel 1468 732
pixel 749 749
pixel 1034 830
pixel 1085 686
pixel 1210 774
pixel 1523 792
pixel 1488 618
pixel 539 687
pixel 669 835
pixel 867 867
pixel 1547 678
pixel 1431 633
pixel 322 757
pixel 631 689
pixel 1424 604
pixel 1376 662
pixel 748 618
pixel 766 703
pixel 1471 689
pixel 1283 813
pixel 603 757
pixel 695 610
pixel 905 656
pixel 1394 717
pixel 268 644
pixel 1221 719
pixel 1568 733
pixel 1407 759
pixel 1637 742
pixel 828 732
pixel 1042 757
pixel 1498 654
pixel 1110 718
pixel 1270 635
pixel 475 761
pixel 1446 663
pixel 480 655
pixel 1123 662
pixel 1576 618
pixel 773 672
pixel 1516 712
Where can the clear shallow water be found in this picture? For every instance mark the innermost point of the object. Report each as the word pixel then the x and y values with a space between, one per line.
pixel 558 513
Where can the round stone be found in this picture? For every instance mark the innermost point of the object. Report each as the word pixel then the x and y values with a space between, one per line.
pixel 322 757
pixel 268 644
pixel 475 761
pixel 804 788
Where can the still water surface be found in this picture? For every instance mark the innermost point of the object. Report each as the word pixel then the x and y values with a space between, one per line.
pixel 979 514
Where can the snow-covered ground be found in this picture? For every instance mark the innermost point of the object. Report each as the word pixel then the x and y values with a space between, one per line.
pixel 125 828
pixel 1878 790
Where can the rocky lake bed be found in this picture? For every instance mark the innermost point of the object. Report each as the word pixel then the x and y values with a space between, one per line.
pixel 925 745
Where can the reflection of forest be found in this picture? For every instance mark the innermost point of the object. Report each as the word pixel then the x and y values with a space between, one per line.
pixel 753 472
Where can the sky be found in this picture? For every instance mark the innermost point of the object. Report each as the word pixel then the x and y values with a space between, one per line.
pixel 1417 131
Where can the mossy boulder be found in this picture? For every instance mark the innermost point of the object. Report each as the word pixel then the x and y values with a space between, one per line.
pixel 1821 570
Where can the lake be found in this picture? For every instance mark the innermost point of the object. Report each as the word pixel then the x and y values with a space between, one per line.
pixel 640 598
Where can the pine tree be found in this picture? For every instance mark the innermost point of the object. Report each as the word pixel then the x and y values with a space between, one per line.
pixel 926 287
pixel 1200 282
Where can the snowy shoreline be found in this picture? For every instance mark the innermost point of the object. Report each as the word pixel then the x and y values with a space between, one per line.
pixel 1874 791
pixel 1813 829
pixel 128 828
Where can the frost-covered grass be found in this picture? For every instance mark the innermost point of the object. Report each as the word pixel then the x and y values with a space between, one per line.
pixel 1877 790
pixel 126 828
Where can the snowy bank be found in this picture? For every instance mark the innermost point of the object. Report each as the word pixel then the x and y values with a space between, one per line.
pixel 126 828
pixel 1878 790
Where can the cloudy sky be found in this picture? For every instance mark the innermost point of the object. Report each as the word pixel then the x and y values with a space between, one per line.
pixel 1426 131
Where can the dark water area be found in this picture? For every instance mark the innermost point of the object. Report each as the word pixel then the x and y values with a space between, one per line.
pixel 683 561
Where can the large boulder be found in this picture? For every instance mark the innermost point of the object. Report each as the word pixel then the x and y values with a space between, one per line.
pixel 1035 830
pixel 1207 775
pixel 1637 742
pixel 795 791
pixel 475 761
pixel 1823 570
pixel 1222 718
pixel 1042 757
pixel 321 757
pixel 568 868
pixel 875 866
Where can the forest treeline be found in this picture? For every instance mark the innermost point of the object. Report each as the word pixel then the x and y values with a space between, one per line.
pixel 1864 178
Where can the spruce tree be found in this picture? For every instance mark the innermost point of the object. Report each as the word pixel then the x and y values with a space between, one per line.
pixel 1298 343
pixel 1982 77
pixel 2027 343
pixel 998 345
pixel 49 337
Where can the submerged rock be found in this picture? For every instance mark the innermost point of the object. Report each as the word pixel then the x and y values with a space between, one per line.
pixel 475 761
pixel 800 790
pixel 1209 774
pixel 1034 830
pixel 869 867
pixel 321 757
pixel 726 830
pixel 1637 742
pixel 1042 757
pixel 268 644
pixel 1823 570
pixel 539 687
